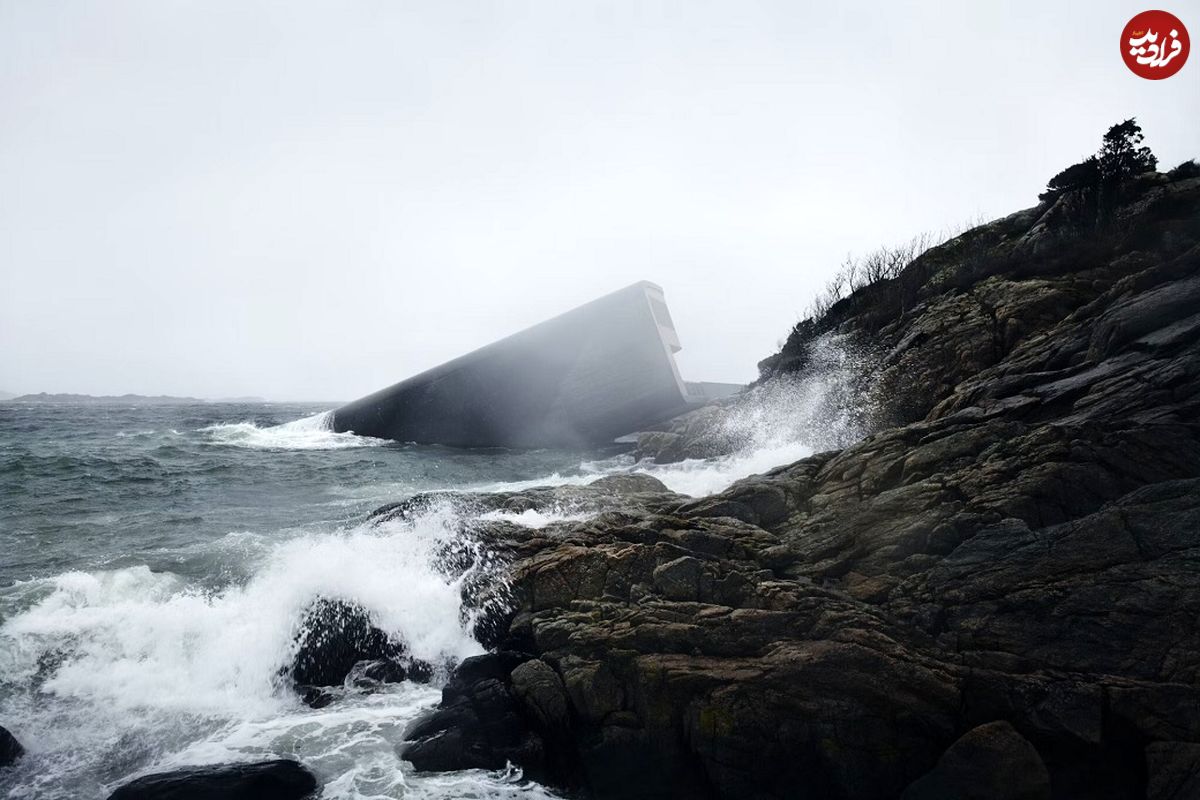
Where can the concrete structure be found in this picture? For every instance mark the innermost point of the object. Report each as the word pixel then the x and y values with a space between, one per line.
pixel 587 376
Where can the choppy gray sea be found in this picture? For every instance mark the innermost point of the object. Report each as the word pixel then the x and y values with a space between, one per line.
pixel 155 561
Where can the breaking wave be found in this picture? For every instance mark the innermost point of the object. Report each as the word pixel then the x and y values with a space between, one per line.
pixel 158 648
pixel 531 518
pixel 109 668
pixel 698 477
pixel 308 433
pixel 824 407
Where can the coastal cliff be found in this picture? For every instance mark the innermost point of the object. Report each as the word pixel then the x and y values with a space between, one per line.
pixel 992 593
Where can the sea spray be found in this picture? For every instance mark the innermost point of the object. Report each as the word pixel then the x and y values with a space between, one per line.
pixel 314 432
pixel 698 477
pixel 191 556
pixel 825 406
pixel 534 518
pixel 141 663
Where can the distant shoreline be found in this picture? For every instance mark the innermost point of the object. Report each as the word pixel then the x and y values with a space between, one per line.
pixel 136 399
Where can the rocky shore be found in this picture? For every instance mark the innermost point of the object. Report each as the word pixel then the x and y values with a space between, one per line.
pixel 995 594
pixel 987 587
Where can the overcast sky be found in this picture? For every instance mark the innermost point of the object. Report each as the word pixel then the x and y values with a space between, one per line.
pixel 313 200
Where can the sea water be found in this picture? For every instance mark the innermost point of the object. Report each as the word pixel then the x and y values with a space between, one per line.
pixel 156 560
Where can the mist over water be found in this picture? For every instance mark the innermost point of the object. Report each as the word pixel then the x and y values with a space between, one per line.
pixel 159 561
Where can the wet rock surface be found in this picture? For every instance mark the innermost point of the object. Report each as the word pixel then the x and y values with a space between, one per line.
pixel 1019 550
pixel 1173 770
pixel 991 762
pixel 264 780
pixel 697 434
pixel 610 492
pixel 10 748
pixel 497 708
pixel 337 641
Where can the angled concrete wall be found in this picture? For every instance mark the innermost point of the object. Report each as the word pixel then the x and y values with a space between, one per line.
pixel 594 373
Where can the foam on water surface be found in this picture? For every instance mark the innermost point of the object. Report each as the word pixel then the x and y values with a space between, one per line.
pixel 309 433
pixel 161 645
pixel 532 518
pixel 698 477
pixel 133 657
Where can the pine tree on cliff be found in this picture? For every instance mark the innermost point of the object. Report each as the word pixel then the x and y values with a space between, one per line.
pixel 1084 175
pixel 1122 154
pixel 1097 181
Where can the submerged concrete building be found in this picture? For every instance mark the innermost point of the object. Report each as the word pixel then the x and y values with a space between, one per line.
pixel 595 373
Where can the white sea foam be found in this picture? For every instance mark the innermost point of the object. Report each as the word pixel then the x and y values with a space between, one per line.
pixel 314 432
pixel 149 662
pixel 553 479
pixel 105 674
pixel 531 518
pixel 699 477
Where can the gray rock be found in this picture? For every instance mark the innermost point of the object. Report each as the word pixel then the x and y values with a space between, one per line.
pixel 679 579
pixel 336 640
pixel 629 484
pixel 265 780
pixel 10 748
pixel 1173 770
pixel 991 762
pixel 492 713
pixel 541 692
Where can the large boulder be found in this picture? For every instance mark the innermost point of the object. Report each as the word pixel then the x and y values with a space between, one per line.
pixel 541 694
pixel 337 640
pixel 265 780
pixel 10 748
pixel 497 708
pixel 990 762
pixel 701 433
pixel 611 492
